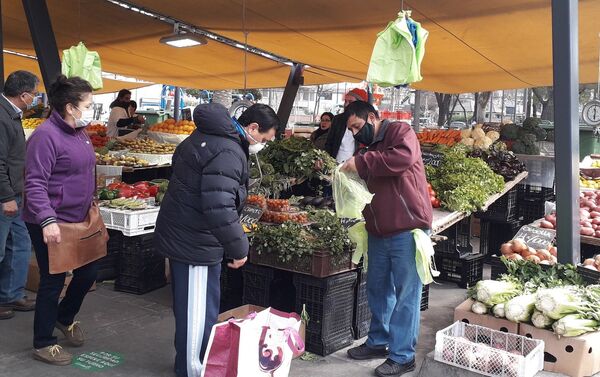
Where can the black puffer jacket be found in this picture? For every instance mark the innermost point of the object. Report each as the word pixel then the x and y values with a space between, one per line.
pixel 199 218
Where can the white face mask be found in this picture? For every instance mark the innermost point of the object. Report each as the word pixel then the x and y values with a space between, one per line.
pixel 86 117
pixel 255 148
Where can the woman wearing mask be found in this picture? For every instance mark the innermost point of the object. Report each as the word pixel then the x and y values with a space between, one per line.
pixel 199 220
pixel 119 114
pixel 59 187
pixel 319 136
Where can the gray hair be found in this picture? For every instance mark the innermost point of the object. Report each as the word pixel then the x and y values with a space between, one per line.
pixel 19 82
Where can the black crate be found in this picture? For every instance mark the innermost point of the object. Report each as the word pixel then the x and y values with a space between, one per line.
pixel 588 251
pixel 141 269
pixel 463 271
pixel 108 268
pixel 458 242
pixel 329 303
pixel 531 210
pixel 362 313
pixel 425 298
pixel 493 234
pixel 589 276
pixel 535 193
pixel 257 284
pixel 503 209
pixel 232 285
pixel 497 267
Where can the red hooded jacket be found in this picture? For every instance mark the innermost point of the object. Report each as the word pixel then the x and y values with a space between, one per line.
pixel 394 172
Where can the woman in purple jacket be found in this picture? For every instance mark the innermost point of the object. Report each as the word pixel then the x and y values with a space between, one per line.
pixel 59 187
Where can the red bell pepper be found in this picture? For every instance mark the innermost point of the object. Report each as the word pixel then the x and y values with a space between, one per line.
pixel 153 190
pixel 126 191
pixel 141 185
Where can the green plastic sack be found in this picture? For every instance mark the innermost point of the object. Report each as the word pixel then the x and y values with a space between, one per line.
pixel 79 61
pixel 395 59
pixel 424 257
pixel 350 194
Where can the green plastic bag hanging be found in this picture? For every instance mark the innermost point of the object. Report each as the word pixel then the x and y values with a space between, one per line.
pixel 79 61
pixel 351 195
pixel 424 257
pixel 396 60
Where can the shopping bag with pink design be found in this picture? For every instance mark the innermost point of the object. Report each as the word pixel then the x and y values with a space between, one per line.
pixel 260 345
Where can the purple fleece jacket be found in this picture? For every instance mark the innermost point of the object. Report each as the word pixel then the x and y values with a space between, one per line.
pixel 59 173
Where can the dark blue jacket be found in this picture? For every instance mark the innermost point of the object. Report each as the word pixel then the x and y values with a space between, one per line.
pixel 199 219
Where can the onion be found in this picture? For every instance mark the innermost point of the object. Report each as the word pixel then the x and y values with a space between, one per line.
pixel 597 259
pixel 533 258
pixel 518 245
pixel 506 248
pixel 544 254
pixel 553 251
pixel 514 257
pixel 546 224
pixel 554 260
pixel 545 262
pixel 526 254
pixel 589 262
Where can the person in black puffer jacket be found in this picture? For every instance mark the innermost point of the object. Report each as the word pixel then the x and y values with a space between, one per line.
pixel 198 223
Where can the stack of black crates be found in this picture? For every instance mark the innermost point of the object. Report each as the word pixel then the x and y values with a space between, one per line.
pixel 499 223
pixel 141 269
pixel 454 257
pixel 532 201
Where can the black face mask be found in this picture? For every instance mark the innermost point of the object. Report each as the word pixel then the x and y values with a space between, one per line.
pixel 366 134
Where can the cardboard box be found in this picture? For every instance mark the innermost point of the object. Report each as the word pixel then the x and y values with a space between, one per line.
pixel 463 313
pixel 33 278
pixel 244 310
pixel 574 356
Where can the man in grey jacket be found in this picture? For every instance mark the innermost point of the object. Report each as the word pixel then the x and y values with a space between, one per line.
pixel 19 94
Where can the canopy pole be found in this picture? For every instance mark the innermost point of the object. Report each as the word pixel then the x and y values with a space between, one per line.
pixel 43 38
pixel 565 51
pixel 295 79
pixel 176 107
pixel 417 111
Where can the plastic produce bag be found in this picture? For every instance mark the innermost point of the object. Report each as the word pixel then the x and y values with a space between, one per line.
pixel 351 195
pixel 424 257
pixel 396 60
pixel 79 61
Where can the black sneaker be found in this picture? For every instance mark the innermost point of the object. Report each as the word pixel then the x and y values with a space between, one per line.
pixel 390 368
pixel 364 352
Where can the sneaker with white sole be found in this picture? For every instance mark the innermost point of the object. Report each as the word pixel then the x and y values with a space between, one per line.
pixel 54 355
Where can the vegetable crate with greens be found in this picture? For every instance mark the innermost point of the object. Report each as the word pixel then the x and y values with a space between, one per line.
pixel 464 271
pixel 141 269
pixel 489 352
pixel 319 249
pixel 463 183
pixel 329 302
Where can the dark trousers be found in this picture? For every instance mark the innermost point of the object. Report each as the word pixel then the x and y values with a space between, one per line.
pixel 48 311
pixel 196 295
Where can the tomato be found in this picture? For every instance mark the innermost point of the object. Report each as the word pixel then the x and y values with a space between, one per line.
pixel 437 203
pixel 115 186
pixel 432 193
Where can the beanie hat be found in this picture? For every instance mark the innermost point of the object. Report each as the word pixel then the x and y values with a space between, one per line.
pixel 359 94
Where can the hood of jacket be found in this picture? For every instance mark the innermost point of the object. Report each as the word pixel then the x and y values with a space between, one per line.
pixel 214 119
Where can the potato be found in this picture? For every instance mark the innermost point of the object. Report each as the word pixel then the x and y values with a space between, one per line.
pixel 586 231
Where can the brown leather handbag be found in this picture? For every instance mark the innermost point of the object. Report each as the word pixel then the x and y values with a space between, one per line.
pixel 81 243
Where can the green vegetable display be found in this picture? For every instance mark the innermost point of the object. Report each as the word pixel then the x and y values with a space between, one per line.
pixel 463 183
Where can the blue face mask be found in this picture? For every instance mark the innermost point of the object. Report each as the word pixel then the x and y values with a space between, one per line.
pixel 34 101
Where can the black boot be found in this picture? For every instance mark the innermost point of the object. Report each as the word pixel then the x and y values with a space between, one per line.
pixel 390 368
pixel 364 352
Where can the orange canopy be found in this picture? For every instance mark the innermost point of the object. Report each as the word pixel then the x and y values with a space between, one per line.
pixel 473 45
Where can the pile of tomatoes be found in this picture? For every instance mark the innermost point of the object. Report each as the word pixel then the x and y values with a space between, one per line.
pixel 278 217
pixel 257 200
pixel 278 205
pixel 435 202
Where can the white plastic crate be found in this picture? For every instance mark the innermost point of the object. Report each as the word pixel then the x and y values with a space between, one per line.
pixel 489 352
pixel 130 223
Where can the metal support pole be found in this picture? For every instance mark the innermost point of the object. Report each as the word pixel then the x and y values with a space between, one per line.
pixel 176 106
pixel 502 108
pixel 2 51
pixel 43 38
pixel 491 106
pixel 417 111
pixel 565 35
pixel 295 79
pixel 515 112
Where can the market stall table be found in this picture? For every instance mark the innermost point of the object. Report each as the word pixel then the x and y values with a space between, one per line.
pixel 443 220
